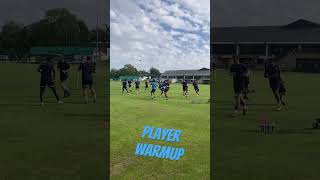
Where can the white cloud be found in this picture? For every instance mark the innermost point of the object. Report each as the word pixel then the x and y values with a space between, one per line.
pixel 155 33
pixel 113 14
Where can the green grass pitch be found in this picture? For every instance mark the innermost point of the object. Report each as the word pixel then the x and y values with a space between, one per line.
pixel 292 153
pixel 130 113
pixel 58 141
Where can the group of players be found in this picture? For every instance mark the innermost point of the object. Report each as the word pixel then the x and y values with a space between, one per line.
pixel 241 76
pixel 164 87
pixel 47 78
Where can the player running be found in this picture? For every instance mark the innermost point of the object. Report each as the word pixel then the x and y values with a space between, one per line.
pixel 213 72
pixel 87 68
pixel 185 88
pixel 154 88
pixel 146 87
pixel 238 71
pixel 47 72
pixel 161 88
pixel 124 86
pixel 165 88
pixel 272 72
pixel 130 82
pixel 246 82
pixel 137 83
pixel 196 86
pixel 64 68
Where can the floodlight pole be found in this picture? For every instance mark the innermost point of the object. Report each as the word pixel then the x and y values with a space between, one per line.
pixel 97 32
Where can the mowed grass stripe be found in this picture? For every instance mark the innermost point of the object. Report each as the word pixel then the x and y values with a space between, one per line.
pixel 130 113
pixel 289 154
pixel 65 141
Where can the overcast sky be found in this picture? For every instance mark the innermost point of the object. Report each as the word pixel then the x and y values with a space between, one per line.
pixel 263 12
pixel 166 34
pixel 28 11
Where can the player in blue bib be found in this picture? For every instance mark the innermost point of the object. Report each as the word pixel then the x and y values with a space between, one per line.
pixel 153 88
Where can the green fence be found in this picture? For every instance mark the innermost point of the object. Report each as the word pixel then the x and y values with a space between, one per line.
pixel 14 52
pixel 62 50
pixel 132 78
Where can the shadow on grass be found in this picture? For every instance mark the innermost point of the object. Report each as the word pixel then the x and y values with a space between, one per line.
pixel 15 105
pixel 75 102
pixel 255 104
pixel 214 102
pixel 91 115
pixel 283 131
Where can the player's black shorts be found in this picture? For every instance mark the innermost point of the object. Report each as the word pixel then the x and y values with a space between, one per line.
pixel 137 87
pixel 124 88
pixel 196 88
pixel 238 87
pixel 185 88
pixel 274 84
pixel 153 90
pixel 246 82
pixel 282 89
pixel 86 83
pixel 47 83
pixel 166 89
pixel 63 78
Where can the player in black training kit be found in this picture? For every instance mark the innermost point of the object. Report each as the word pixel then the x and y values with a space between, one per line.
pixel 246 82
pixel 161 88
pixel 124 86
pixel 213 72
pixel 64 68
pixel 137 83
pixel 272 72
pixel 185 88
pixel 165 88
pixel 146 85
pixel 130 82
pixel 238 71
pixel 196 87
pixel 87 68
pixel 47 72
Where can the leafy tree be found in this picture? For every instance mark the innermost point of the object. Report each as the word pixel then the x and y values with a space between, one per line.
pixel 128 70
pixel 143 73
pixel 60 26
pixel 102 35
pixel 114 73
pixel 155 73
pixel 11 35
pixel 14 38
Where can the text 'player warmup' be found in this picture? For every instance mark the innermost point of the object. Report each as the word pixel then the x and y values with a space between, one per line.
pixel 158 151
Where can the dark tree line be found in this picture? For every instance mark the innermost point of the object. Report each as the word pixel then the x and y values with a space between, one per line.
pixel 130 70
pixel 59 27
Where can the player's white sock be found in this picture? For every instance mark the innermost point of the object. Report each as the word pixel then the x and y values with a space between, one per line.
pixel 235 112
pixel 245 108
pixel 279 108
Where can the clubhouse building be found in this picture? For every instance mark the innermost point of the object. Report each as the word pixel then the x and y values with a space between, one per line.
pixel 295 46
pixel 202 75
